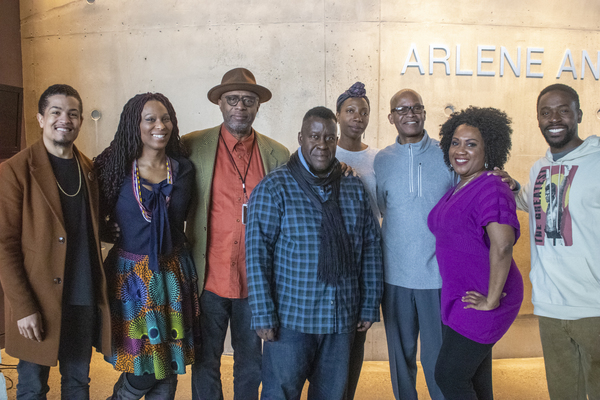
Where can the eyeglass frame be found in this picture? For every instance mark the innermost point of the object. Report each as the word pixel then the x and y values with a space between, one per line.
pixel 409 108
pixel 244 100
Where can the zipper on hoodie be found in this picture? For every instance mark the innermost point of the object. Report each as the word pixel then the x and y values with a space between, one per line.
pixel 419 181
pixel 411 188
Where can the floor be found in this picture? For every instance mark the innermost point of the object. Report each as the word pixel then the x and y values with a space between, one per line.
pixel 514 379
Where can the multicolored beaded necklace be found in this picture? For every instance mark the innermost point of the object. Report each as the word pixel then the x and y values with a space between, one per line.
pixel 137 187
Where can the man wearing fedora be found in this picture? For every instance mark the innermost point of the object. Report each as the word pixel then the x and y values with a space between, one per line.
pixel 230 160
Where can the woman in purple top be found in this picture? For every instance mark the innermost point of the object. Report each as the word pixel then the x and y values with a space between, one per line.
pixel 476 226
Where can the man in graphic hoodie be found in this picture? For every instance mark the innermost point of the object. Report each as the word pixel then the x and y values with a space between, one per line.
pixel 563 201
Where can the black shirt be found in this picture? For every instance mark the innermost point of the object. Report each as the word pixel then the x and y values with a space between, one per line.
pixel 81 263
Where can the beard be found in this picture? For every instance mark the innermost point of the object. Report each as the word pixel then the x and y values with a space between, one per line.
pixel 239 127
pixel 560 143
pixel 62 143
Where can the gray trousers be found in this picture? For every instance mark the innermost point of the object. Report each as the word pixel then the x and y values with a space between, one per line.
pixel 406 313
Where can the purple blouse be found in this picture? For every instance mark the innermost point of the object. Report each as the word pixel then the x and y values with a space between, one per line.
pixel 463 253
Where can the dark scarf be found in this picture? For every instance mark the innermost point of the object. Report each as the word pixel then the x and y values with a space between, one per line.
pixel 336 256
pixel 160 229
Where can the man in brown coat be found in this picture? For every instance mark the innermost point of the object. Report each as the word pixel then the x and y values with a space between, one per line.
pixel 50 259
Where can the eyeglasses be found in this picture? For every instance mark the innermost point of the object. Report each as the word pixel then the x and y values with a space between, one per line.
pixel 403 110
pixel 248 101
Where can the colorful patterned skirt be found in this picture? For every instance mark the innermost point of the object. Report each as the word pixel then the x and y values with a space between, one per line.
pixel 155 315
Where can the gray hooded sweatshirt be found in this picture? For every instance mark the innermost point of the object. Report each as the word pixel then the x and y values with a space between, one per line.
pixel 563 201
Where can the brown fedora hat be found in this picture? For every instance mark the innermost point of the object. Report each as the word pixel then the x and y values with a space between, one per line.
pixel 239 79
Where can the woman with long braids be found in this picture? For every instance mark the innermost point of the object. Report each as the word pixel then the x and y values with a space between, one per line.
pixel 145 183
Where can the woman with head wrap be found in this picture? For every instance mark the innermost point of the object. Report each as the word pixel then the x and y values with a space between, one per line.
pixel 353 109
pixel 352 112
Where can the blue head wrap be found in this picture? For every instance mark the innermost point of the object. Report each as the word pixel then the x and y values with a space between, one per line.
pixel 356 90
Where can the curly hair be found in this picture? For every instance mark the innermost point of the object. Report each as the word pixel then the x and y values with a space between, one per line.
pixel 494 126
pixel 115 161
pixel 53 90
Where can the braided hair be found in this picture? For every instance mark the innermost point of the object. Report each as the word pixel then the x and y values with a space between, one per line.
pixel 115 161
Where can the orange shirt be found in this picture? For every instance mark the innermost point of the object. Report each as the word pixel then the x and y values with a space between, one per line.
pixel 226 254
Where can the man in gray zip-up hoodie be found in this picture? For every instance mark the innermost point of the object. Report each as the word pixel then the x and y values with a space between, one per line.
pixel 411 178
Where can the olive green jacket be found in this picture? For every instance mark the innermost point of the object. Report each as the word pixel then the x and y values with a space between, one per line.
pixel 202 148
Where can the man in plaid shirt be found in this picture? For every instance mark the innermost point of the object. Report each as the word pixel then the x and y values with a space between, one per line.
pixel 314 266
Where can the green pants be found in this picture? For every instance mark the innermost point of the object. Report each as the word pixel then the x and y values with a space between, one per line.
pixel 572 357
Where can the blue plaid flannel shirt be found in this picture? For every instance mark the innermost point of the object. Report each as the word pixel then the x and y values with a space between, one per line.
pixel 282 249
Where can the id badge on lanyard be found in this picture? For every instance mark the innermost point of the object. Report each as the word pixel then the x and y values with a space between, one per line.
pixel 242 178
pixel 244 213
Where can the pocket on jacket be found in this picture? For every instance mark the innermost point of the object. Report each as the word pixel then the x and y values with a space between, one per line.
pixel 30 261
pixel 567 281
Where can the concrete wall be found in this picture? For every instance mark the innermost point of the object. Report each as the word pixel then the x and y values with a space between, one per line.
pixel 11 67
pixel 309 52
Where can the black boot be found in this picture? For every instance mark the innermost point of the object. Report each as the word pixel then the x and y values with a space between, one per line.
pixel 164 389
pixel 124 391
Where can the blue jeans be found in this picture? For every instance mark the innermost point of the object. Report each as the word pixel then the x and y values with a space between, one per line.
pixel 295 357
pixel 406 313
pixel 78 329
pixel 215 313
pixel 357 355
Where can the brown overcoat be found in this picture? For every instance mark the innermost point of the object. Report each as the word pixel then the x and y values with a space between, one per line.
pixel 33 246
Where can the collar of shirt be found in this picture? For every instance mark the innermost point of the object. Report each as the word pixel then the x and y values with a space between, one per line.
pixel 303 161
pixel 231 141
pixel 305 164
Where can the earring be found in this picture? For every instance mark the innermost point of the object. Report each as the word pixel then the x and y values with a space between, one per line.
pixel 485 165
